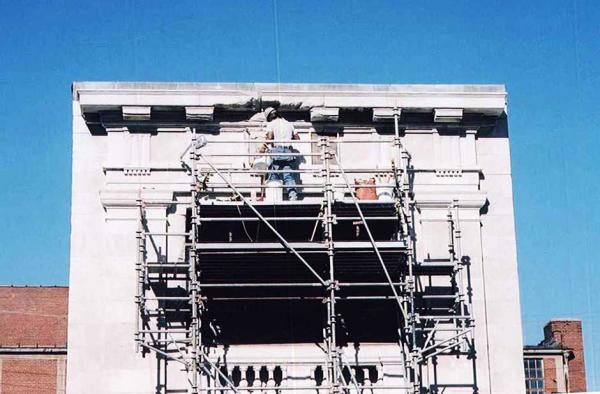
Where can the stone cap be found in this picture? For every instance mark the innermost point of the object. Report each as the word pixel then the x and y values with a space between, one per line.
pixel 485 99
pixel 289 87
pixel 563 319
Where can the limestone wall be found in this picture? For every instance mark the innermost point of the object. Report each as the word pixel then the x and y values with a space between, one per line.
pixel 115 165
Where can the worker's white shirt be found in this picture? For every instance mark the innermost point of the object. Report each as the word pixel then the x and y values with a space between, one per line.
pixel 282 130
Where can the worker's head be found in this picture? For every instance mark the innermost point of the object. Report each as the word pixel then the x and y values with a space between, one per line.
pixel 270 114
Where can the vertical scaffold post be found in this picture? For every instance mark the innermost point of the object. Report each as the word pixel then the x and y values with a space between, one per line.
pixel 454 261
pixel 140 277
pixel 399 172
pixel 193 282
pixel 415 353
pixel 397 142
pixel 463 299
pixel 328 221
pixel 409 283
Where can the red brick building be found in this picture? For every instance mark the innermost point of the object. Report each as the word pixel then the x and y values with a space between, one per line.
pixel 33 339
pixel 557 364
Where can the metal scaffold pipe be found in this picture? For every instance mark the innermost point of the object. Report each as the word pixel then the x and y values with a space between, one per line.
pixel 328 219
pixel 371 239
pixel 266 222
pixel 424 332
pixel 196 319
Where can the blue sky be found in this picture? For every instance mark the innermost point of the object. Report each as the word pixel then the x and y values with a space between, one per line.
pixel 546 52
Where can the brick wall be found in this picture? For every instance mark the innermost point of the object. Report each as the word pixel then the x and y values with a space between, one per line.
pixel 550 383
pixel 29 376
pixel 33 324
pixel 569 334
pixel 33 316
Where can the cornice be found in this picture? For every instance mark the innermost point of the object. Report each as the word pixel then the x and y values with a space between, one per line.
pixel 485 99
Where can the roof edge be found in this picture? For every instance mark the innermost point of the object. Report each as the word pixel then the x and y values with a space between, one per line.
pixel 288 87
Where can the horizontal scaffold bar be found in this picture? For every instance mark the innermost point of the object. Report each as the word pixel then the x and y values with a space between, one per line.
pixel 304 185
pixel 360 284
pixel 274 246
pixel 301 171
pixel 229 170
pixel 293 218
pixel 265 141
pixel 296 388
pixel 299 203
pixel 261 154
pixel 304 298
pixel 173 234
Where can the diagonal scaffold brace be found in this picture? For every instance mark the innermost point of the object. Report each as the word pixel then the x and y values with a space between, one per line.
pixel 281 239
pixel 371 239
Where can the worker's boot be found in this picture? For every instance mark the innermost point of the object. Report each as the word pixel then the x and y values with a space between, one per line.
pixel 293 195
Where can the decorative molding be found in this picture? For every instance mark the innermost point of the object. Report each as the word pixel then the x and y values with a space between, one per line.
pixel 172 129
pixel 129 198
pixel 324 114
pixel 385 114
pixel 123 129
pixel 136 171
pixel 448 173
pixel 486 99
pixel 199 113
pixel 136 112
pixel 420 131
pixel 444 200
pixel 447 115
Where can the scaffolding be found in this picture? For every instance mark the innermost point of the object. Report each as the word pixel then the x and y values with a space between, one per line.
pixel 175 299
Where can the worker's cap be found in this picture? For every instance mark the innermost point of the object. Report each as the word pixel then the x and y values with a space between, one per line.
pixel 269 112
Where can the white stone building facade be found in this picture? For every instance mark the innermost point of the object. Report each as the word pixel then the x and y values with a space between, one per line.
pixel 130 152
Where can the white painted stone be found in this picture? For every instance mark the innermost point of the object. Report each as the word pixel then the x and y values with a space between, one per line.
pixel 493 155
pixel 448 168
pixel 447 115
pixel 199 113
pixel 386 114
pixel 324 114
pixel 136 112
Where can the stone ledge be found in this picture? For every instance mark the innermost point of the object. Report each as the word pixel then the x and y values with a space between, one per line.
pixel 129 198
pixel 444 200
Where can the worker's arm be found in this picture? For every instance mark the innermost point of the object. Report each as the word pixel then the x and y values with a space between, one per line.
pixel 295 136
pixel 263 148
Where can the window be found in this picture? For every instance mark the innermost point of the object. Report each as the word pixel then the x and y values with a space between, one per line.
pixel 534 376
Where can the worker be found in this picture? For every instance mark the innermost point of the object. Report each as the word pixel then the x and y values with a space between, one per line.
pixel 279 129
